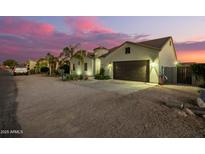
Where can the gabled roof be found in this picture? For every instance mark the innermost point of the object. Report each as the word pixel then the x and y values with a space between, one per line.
pixel 100 47
pixel 90 55
pixel 110 51
pixel 156 44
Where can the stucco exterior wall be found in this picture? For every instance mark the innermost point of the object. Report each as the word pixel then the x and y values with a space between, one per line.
pixel 79 67
pixel 167 58
pixel 31 64
pixel 97 62
pixel 100 52
pixel 167 55
pixel 137 53
pixel 97 66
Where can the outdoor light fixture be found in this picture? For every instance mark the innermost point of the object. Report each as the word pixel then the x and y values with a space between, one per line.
pixel 109 65
pixel 153 64
pixel 78 72
pixel 176 63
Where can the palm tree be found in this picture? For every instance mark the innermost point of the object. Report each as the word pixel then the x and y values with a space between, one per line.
pixel 51 62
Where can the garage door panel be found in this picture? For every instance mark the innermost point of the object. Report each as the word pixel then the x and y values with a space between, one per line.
pixel 132 70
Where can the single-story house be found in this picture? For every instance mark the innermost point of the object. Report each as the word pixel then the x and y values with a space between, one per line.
pixel 135 61
pixel 85 66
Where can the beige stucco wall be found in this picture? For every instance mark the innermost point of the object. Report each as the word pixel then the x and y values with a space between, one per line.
pixel 79 67
pixel 97 62
pixel 97 65
pixel 31 64
pixel 167 56
pixel 100 52
pixel 137 53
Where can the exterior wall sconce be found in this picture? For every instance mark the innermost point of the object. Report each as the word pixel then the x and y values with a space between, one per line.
pixel 153 64
pixel 109 65
pixel 79 72
pixel 176 63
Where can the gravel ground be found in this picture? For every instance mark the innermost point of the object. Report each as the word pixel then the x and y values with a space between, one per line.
pixel 48 107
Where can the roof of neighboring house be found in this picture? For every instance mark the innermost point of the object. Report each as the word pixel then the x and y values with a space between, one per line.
pixel 86 53
pixel 100 47
pixel 110 51
pixel 41 59
pixel 91 55
pixel 156 44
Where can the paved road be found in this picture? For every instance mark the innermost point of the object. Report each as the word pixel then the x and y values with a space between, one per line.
pixel 9 126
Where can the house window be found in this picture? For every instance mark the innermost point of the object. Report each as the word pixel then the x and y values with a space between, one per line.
pixel 73 67
pixel 85 66
pixel 170 43
pixel 127 50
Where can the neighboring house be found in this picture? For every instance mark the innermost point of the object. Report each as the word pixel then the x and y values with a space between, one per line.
pixel 85 66
pixel 142 61
pixel 42 62
pixel 31 64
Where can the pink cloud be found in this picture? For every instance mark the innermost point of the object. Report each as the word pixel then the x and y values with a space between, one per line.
pixel 26 39
pixel 86 24
pixel 18 26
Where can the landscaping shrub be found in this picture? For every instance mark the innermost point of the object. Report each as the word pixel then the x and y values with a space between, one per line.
pixel 44 69
pixel 74 77
pixel 102 71
pixel 107 77
pixel 32 71
pixel 102 77
pixel 56 73
pixel 199 71
pixel 69 77
pixel 80 77
pixel 66 68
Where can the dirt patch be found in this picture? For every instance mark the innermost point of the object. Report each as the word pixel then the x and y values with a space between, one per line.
pixel 140 115
pixel 49 107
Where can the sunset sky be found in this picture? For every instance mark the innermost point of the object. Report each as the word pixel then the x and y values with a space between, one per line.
pixel 23 38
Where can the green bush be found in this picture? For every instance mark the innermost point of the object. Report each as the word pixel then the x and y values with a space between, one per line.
pixel 44 69
pixel 199 71
pixel 56 73
pixel 69 77
pixel 102 77
pixel 80 77
pixel 66 68
pixel 32 71
pixel 10 62
pixel 102 71
pixel 107 77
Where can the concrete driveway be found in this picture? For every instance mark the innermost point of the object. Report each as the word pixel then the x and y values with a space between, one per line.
pixel 116 86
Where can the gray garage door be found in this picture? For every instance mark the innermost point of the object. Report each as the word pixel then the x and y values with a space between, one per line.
pixel 131 70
